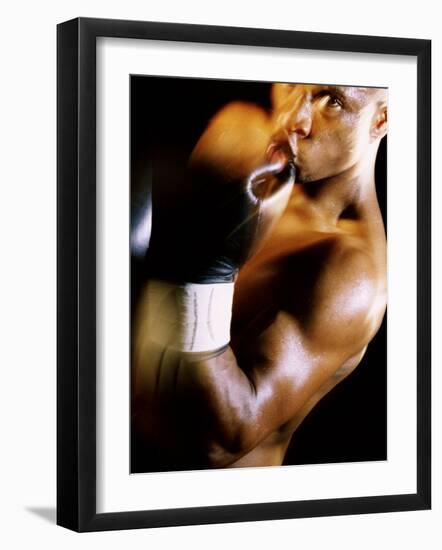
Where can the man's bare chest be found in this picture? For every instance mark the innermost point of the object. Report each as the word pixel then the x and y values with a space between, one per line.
pixel 285 267
pixel 284 273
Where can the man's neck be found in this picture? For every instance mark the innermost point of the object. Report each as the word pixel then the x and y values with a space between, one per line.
pixel 348 195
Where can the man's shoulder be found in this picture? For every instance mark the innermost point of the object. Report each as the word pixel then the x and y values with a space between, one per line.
pixel 324 285
pixel 333 287
pixel 330 264
pixel 346 259
pixel 348 279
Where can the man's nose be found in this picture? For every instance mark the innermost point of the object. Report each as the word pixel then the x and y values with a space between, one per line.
pixel 299 124
pixel 297 119
pixel 294 122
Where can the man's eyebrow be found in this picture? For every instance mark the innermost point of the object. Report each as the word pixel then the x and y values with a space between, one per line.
pixel 352 95
pixel 335 89
pixel 348 93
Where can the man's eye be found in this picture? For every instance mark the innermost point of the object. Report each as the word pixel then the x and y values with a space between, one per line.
pixel 334 102
pixel 331 101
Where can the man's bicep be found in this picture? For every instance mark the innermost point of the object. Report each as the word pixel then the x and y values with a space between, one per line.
pixel 284 371
pixel 248 392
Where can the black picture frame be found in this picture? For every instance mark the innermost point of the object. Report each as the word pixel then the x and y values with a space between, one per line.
pixel 76 273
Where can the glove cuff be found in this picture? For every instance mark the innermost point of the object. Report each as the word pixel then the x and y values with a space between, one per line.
pixel 189 317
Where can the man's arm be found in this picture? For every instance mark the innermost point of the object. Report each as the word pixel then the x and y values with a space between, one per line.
pixel 226 404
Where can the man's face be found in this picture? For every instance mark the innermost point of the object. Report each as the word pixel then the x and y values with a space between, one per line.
pixel 328 129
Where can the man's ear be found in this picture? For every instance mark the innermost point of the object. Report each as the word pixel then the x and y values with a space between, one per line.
pixel 379 125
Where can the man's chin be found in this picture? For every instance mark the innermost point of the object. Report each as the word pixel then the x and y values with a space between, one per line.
pixel 305 175
pixel 303 179
pixel 302 176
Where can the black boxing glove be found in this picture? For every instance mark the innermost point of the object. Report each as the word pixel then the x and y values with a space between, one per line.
pixel 227 196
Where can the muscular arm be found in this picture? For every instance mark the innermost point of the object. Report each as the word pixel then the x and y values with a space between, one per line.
pixel 221 407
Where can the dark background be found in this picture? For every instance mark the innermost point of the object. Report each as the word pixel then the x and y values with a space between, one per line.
pixel 167 117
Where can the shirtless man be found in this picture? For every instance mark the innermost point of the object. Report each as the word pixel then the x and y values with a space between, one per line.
pixel 273 284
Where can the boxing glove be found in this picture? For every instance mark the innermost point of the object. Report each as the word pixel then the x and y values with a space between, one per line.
pixel 233 188
pixel 208 218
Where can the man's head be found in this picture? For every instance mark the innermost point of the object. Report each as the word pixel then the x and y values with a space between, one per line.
pixel 329 129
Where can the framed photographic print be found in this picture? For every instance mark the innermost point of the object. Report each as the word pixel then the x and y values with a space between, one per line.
pixel 243 274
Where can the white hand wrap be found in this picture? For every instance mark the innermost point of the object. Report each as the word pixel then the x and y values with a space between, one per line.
pixel 189 317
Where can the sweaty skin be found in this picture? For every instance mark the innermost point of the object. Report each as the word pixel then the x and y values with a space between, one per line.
pixel 306 304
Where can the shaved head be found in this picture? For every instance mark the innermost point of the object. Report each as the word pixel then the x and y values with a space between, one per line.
pixel 378 94
pixel 329 127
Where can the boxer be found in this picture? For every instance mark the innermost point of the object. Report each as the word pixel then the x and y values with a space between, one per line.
pixel 265 281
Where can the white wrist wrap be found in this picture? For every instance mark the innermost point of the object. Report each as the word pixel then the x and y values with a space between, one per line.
pixel 189 317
